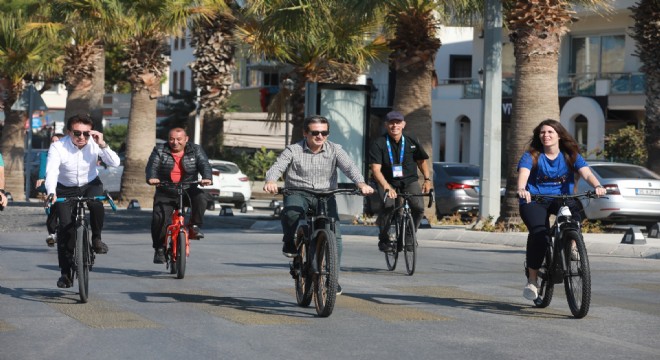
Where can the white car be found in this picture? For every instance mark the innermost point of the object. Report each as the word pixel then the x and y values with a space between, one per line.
pixel 230 184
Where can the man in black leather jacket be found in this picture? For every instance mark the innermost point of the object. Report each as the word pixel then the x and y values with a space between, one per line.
pixel 177 161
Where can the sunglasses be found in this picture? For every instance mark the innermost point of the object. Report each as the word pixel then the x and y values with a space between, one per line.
pixel 77 133
pixel 317 133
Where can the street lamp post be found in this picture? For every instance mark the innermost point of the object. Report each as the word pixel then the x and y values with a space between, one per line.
pixel 288 85
pixel 198 109
pixel 491 157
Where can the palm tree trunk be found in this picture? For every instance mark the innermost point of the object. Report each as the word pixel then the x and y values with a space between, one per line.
pixel 13 152
pixel 140 141
pixel 529 108
pixel 85 96
pixel 412 97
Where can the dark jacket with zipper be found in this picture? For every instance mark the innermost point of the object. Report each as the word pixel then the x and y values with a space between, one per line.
pixel 194 161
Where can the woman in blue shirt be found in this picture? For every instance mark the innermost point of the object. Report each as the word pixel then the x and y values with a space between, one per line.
pixel 548 167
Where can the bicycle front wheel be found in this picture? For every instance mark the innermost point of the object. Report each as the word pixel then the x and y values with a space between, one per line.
pixel 409 244
pixel 181 255
pixel 577 281
pixel 82 259
pixel 302 277
pixel 325 284
pixel 392 255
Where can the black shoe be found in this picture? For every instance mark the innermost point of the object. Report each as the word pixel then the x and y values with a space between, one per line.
pixel 64 282
pixel 159 256
pixel 338 289
pixel 99 246
pixel 289 249
pixel 196 233
pixel 384 246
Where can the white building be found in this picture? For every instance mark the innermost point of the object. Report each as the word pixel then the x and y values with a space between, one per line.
pixel 600 86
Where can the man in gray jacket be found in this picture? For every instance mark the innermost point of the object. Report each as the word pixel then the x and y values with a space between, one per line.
pixel 177 161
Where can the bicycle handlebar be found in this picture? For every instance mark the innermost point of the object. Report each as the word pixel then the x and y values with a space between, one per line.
pixel 409 195
pixel 319 193
pixel 586 195
pixel 175 184
pixel 105 196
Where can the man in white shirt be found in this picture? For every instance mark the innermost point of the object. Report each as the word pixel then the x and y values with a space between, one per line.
pixel 71 170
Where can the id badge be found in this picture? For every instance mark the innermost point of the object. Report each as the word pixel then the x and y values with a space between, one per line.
pixel 397 171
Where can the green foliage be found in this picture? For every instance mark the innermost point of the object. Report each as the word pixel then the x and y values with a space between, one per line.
pixel 626 145
pixel 115 136
pixel 256 166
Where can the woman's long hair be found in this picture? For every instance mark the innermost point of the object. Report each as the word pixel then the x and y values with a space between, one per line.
pixel 567 144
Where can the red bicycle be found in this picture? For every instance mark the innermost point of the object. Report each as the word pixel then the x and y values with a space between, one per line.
pixel 177 241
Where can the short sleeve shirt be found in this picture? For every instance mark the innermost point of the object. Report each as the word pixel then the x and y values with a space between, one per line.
pixel 378 154
pixel 550 177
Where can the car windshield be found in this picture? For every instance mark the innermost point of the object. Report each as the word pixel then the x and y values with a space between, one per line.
pixel 226 168
pixel 462 171
pixel 624 172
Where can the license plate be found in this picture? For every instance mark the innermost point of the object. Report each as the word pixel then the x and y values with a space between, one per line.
pixel 652 192
pixel 226 194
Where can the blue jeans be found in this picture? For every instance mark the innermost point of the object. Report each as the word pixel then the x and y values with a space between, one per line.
pixel 295 207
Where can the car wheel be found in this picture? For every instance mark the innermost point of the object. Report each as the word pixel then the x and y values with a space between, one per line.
pixel 244 208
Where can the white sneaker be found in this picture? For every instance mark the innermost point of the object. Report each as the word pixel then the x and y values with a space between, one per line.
pixel 575 255
pixel 531 291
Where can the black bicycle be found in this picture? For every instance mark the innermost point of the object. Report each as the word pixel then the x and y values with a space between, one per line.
pixel 83 254
pixel 402 226
pixel 563 264
pixel 314 268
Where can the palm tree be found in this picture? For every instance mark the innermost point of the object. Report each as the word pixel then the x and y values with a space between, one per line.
pixel 647 34
pixel 412 27
pixel 88 25
pixel 145 44
pixel 24 54
pixel 320 40
pixel 535 29
pixel 215 47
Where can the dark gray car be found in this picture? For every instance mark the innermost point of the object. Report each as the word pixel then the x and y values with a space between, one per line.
pixel 456 187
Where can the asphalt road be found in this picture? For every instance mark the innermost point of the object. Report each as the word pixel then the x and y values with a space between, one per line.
pixel 237 302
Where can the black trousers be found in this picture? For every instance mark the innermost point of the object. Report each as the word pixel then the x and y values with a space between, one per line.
pixel 536 217
pixel 66 214
pixel 387 210
pixel 164 203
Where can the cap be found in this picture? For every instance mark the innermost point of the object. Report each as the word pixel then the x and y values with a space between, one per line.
pixel 394 115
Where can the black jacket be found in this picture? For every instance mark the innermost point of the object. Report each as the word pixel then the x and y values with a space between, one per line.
pixel 161 163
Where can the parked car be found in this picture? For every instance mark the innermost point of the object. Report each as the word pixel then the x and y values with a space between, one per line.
pixel 230 184
pixel 111 178
pixel 633 194
pixel 456 187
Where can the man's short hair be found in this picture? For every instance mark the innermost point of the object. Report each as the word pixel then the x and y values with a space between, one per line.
pixel 314 119
pixel 79 119
pixel 394 115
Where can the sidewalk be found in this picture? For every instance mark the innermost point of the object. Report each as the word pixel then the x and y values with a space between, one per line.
pixel 601 244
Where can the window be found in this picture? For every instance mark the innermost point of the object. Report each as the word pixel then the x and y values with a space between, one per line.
pixel 175 82
pixel 597 54
pixel 581 131
pixel 460 67
pixel 271 79
pixel 182 80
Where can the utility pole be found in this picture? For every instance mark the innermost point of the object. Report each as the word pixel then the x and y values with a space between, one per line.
pixel 198 110
pixel 491 153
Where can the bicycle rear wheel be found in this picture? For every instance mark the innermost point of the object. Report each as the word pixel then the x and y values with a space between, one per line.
pixel 181 255
pixel 547 287
pixel 392 255
pixel 325 284
pixel 577 281
pixel 82 262
pixel 302 278
pixel 409 244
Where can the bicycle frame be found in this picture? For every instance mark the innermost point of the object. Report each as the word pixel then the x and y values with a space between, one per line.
pixel 177 231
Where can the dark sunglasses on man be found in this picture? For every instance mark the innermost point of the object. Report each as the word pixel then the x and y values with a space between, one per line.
pixel 316 133
pixel 77 133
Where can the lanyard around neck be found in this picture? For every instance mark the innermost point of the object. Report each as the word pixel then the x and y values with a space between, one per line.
pixel 389 150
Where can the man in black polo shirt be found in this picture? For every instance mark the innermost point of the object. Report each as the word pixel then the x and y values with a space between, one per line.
pixel 394 160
